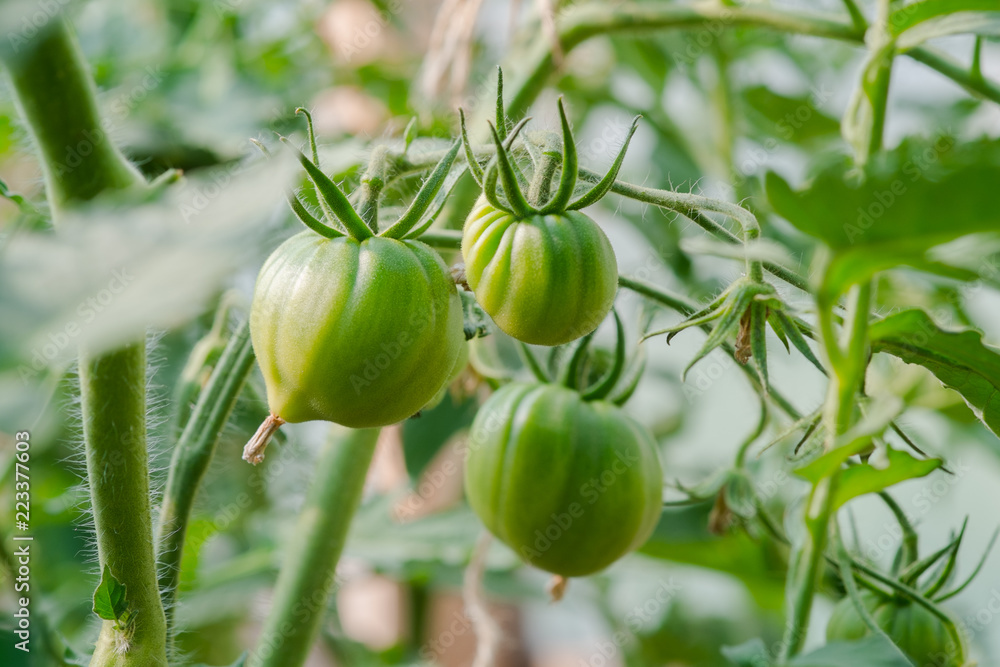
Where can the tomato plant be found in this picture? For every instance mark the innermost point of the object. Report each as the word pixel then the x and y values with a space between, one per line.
pixel 695 312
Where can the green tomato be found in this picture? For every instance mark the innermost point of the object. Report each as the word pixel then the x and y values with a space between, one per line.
pixel 362 333
pixel 570 485
pixel 545 280
pixel 918 633
pixel 460 363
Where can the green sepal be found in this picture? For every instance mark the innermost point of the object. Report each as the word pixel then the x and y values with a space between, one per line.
pixel 570 372
pixel 728 325
pixel 310 221
pixel 533 364
pixel 334 198
pixel 512 191
pixel 501 114
pixel 470 156
pixel 794 333
pixel 311 132
pixel 606 384
pixel 567 180
pixel 758 340
pixel 605 184
pixel 422 200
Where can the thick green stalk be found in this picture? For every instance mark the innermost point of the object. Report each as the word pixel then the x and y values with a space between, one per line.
pixel 55 94
pixel 113 392
pixel 846 380
pixel 192 455
pixel 309 567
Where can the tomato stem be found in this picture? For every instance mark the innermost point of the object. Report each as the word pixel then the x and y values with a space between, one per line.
pixel 308 572
pixel 56 95
pixel 193 453
pixel 253 452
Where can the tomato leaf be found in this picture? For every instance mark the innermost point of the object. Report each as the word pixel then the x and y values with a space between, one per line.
pixel 959 359
pixel 910 200
pixel 914 13
pixel 854 441
pixel 109 598
pixel 862 479
pixel 871 651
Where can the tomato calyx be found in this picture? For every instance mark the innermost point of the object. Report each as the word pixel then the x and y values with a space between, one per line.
pixel 742 312
pixel 503 181
pixel 340 218
pixel 582 372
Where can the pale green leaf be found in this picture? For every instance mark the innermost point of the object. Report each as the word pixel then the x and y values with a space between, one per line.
pixel 866 478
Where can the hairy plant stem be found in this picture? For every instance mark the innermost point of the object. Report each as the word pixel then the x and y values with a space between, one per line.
pixel 308 572
pixel 56 96
pixel 372 183
pixel 192 455
pixel 845 383
pixel 587 21
pixel 113 393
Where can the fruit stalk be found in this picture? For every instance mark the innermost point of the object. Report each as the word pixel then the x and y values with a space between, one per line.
pixel 192 455
pixel 308 572
pixel 55 94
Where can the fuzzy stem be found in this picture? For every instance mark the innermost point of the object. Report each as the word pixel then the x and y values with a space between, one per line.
pixel 113 392
pixel 56 96
pixel 585 22
pixel 846 380
pixel 192 455
pixel 308 572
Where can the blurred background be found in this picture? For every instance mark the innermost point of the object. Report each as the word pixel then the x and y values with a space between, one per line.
pixel 186 84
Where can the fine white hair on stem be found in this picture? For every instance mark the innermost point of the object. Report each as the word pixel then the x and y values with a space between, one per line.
pixel 487 630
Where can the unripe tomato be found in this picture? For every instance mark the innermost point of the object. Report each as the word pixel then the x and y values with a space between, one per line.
pixel 918 633
pixel 545 280
pixel 570 485
pixel 460 363
pixel 362 333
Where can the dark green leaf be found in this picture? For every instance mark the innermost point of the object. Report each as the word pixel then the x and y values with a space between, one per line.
pixel 109 598
pixel 959 359
pixel 912 199
pixel 424 437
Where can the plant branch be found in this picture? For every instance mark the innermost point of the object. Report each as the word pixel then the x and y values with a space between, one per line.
pixel 192 455
pixel 308 571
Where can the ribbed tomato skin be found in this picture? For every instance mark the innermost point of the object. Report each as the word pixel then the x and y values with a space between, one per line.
pixel 570 485
pixel 362 334
pixel 545 280
pixel 917 632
